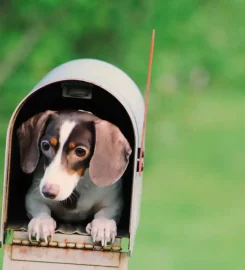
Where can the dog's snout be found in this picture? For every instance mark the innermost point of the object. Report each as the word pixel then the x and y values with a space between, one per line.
pixel 50 191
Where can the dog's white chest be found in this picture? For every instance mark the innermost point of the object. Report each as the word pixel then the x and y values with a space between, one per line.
pixel 77 214
pixel 89 196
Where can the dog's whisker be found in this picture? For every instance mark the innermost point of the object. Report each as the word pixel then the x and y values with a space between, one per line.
pixel 36 188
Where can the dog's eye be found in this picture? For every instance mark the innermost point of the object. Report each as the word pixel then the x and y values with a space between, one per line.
pixel 80 152
pixel 45 145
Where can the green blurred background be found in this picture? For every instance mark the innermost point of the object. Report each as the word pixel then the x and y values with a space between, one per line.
pixel 192 214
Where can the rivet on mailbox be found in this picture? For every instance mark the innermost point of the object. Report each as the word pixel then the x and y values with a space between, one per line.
pixel 76 87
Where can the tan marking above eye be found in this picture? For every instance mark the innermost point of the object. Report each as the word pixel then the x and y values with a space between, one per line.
pixel 72 145
pixel 53 141
pixel 79 171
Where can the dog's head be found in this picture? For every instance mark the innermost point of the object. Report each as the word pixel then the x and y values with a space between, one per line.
pixel 71 142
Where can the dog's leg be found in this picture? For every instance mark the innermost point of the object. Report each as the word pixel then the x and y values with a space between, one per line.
pixel 103 227
pixel 42 225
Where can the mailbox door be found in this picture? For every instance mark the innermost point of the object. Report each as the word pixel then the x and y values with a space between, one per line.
pixel 135 211
pixel 66 252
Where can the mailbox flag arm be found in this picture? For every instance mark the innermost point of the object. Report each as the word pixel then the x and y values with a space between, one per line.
pixel 146 100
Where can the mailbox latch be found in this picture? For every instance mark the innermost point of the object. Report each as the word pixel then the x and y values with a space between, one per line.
pixel 77 90
pixel 138 160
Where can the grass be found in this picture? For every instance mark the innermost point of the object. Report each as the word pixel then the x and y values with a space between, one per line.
pixel 193 201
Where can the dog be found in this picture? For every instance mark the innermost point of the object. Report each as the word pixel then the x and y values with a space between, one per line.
pixel 77 161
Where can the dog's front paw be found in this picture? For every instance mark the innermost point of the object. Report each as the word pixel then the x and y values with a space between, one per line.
pixel 102 230
pixel 41 227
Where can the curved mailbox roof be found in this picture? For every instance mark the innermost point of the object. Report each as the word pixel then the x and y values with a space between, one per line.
pixel 106 76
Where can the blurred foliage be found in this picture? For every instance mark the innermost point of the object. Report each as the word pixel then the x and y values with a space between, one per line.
pixel 193 200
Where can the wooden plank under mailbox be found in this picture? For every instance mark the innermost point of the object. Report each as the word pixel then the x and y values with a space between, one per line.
pixel 66 255
pixel 38 258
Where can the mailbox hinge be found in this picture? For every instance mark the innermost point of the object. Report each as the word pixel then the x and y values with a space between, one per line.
pixel 66 241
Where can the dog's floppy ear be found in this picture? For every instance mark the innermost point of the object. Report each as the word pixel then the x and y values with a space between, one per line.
pixel 111 154
pixel 29 134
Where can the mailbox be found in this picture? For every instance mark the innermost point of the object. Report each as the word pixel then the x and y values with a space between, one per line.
pixel 106 91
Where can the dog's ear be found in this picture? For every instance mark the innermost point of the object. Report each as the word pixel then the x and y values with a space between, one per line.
pixel 111 154
pixel 29 134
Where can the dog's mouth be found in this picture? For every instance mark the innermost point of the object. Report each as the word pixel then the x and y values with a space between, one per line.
pixel 71 201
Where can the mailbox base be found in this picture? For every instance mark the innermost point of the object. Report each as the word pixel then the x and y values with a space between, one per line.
pixel 38 258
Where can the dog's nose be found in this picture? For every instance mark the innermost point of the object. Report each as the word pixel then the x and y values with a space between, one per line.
pixel 50 191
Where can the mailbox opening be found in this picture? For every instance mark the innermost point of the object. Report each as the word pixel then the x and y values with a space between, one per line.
pixel 55 97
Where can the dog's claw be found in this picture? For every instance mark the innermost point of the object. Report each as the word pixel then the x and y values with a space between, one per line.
pixel 51 237
pixel 113 236
pixel 102 230
pixel 41 228
pixel 45 239
pixel 30 236
pixel 38 237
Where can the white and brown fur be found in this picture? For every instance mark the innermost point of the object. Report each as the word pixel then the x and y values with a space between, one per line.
pixel 77 161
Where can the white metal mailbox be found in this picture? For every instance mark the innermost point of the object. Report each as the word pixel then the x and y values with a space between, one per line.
pixel 106 91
